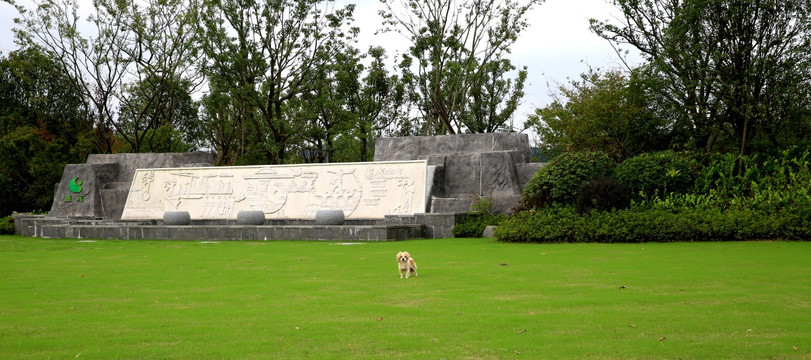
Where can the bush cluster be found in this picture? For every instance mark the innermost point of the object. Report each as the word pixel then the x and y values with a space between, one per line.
pixel 480 217
pixel 602 194
pixel 768 197
pixel 7 225
pixel 565 224
pixel 558 181
pixel 657 174
pixel 474 224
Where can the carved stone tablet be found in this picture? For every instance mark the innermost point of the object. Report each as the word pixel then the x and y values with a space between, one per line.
pixel 360 190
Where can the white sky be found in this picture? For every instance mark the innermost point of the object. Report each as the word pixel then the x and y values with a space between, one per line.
pixel 557 46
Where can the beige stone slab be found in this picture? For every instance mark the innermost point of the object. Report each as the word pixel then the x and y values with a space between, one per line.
pixel 361 190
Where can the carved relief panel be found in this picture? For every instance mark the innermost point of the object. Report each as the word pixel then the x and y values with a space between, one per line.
pixel 361 190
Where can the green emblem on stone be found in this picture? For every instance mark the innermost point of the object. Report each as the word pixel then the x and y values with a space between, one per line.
pixel 75 185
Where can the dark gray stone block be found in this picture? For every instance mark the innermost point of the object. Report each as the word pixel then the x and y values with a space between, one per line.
pixel 463 167
pixel 176 218
pixel 498 176
pixel 329 217
pixel 130 162
pixel 451 205
pixel 423 147
pixel 251 217
pixel 113 198
pixel 78 194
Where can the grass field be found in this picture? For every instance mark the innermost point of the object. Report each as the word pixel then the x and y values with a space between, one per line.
pixel 473 299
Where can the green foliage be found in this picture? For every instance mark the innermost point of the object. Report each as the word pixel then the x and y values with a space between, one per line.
pixel 660 173
pixel 602 194
pixel 276 85
pixel 456 65
pixel 608 112
pixel 771 200
pixel 558 181
pixel 43 126
pixel 7 225
pixel 479 217
pixel 565 224
pixel 474 224
pixel 733 75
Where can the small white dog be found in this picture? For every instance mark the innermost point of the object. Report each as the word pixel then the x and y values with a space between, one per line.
pixel 406 264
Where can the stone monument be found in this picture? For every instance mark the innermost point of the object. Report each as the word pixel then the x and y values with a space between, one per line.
pixel 463 167
pixel 360 190
pixel 98 188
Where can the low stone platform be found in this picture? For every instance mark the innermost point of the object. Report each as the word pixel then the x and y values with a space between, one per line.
pixel 392 228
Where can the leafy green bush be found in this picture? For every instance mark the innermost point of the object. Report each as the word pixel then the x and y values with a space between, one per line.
pixel 480 217
pixel 558 181
pixel 602 194
pixel 474 224
pixel 657 174
pixel 770 199
pixel 565 224
pixel 7 225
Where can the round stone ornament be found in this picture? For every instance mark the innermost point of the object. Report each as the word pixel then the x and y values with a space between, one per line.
pixel 176 218
pixel 251 217
pixel 329 217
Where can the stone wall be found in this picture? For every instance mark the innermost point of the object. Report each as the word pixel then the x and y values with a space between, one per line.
pixel 462 167
pixel 99 187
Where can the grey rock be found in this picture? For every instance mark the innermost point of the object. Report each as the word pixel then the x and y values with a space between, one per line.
pixel 251 217
pixel 176 218
pixel 464 167
pixel 78 194
pixel 489 232
pixel 329 217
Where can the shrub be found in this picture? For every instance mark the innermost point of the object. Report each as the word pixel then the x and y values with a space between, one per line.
pixel 657 174
pixel 558 181
pixel 7 225
pixel 565 224
pixel 602 194
pixel 474 224
pixel 480 217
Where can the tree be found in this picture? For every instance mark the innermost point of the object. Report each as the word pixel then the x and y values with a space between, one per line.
pixel 223 122
pixel 493 98
pixel 43 126
pixel 133 49
pixel 267 53
pixel 163 76
pixel 735 67
pixel 97 62
pixel 160 116
pixel 452 48
pixel 379 102
pixel 603 111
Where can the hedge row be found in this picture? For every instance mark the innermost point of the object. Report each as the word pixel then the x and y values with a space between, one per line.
pixel 565 224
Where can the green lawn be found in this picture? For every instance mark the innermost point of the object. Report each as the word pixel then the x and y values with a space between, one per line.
pixel 473 299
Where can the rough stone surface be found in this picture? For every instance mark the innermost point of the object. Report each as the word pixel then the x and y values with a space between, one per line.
pixel 250 217
pixel 489 232
pixel 464 167
pixel 329 217
pixel 79 191
pixel 128 163
pixel 393 227
pixel 100 186
pixel 176 218
pixel 113 198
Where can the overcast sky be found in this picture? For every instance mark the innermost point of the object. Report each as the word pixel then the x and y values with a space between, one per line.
pixel 557 45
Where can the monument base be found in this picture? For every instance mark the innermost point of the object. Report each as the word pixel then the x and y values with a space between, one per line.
pixel 392 228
